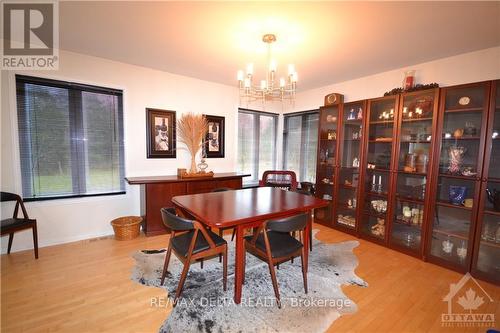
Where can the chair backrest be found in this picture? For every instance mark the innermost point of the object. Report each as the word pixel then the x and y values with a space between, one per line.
pixel 174 222
pixel 7 196
pixel 222 189
pixel 279 178
pixel 303 192
pixel 288 224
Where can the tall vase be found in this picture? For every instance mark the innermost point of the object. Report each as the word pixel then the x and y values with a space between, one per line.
pixel 193 164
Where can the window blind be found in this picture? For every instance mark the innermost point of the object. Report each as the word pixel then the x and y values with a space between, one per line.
pixel 70 139
pixel 256 143
pixel 300 142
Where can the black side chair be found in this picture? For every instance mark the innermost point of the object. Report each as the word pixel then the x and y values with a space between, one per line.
pixel 221 231
pixel 305 192
pixel 14 224
pixel 190 241
pixel 273 243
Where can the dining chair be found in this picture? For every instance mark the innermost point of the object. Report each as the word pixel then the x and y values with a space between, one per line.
pixel 190 241
pixel 307 192
pixel 221 230
pixel 273 243
pixel 11 225
pixel 283 179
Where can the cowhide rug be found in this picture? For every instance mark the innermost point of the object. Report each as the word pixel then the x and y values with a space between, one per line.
pixel 205 307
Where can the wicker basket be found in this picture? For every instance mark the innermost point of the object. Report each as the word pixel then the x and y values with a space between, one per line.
pixel 127 227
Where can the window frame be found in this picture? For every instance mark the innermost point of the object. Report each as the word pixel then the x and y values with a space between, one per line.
pixel 286 118
pixel 76 130
pixel 256 134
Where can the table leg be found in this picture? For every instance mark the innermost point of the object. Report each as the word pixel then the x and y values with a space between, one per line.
pixel 307 233
pixel 238 265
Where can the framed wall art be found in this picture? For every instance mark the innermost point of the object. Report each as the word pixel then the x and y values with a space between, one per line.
pixel 160 133
pixel 214 139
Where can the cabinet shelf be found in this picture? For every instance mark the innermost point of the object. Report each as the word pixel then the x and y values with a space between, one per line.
pixel 464 110
pixel 463 138
pixel 382 122
pixel 378 169
pixel 451 233
pixel 410 120
pixel 376 194
pixel 491 212
pixel 407 199
pixel 448 175
pixel 491 244
pixel 380 141
pixel 447 204
pixel 412 173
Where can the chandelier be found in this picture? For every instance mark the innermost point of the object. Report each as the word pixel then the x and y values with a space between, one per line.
pixel 269 89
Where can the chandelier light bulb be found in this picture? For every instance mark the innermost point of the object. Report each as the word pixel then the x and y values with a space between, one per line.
pixel 291 69
pixel 240 75
pixel 295 77
pixel 263 84
pixel 272 66
pixel 250 69
pixel 282 83
pixel 247 83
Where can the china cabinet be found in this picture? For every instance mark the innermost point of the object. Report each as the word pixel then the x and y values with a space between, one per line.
pixel 327 161
pixel 457 175
pixel 414 152
pixel 417 172
pixel 378 166
pixel 350 159
pixel 486 254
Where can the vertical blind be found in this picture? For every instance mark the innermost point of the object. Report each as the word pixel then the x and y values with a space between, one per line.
pixel 70 139
pixel 256 143
pixel 300 142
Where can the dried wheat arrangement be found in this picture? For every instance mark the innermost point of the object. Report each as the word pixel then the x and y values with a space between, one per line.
pixel 191 129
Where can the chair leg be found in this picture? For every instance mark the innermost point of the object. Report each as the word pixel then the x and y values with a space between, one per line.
pixel 11 238
pixel 201 263
pixel 244 265
pixel 234 234
pixel 35 241
pixel 165 265
pixel 311 239
pixel 224 269
pixel 221 232
pixel 181 281
pixel 275 283
pixel 304 272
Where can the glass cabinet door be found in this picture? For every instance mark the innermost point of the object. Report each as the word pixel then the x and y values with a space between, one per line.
pixel 487 251
pixel 459 166
pixel 417 114
pixel 378 166
pixel 327 153
pixel 350 161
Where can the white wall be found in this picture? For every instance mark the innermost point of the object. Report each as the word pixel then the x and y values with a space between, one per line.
pixel 465 68
pixel 68 220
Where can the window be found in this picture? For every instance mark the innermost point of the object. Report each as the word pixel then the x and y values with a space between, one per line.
pixel 256 143
pixel 300 142
pixel 70 139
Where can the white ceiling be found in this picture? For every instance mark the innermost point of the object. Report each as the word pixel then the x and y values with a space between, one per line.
pixel 328 41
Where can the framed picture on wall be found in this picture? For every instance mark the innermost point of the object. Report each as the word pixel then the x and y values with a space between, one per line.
pixel 214 138
pixel 160 133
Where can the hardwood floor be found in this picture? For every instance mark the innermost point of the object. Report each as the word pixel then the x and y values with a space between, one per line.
pixel 85 287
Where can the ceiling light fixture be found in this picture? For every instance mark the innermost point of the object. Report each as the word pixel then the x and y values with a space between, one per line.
pixel 268 90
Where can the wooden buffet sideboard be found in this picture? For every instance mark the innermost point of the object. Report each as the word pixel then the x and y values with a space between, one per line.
pixel 158 191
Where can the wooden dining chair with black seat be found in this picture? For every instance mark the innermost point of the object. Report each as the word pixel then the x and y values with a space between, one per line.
pixel 190 241
pixel 306 192
pixel 221 230
pixel 272 242
pixel 14 224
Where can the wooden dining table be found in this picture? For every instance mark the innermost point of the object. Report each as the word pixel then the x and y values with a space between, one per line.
pixel 247 208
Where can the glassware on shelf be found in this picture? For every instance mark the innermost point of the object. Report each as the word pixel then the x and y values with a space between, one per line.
pixel 447 245
pixel 456 155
